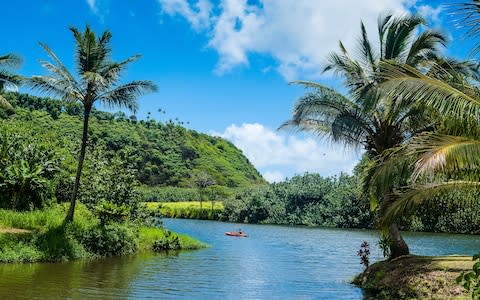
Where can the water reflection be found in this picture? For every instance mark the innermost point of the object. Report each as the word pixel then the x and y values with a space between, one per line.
pixel 273 262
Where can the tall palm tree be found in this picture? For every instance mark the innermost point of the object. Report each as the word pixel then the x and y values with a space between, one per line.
pixel 368 118
pixel 8 79
pixel 97 80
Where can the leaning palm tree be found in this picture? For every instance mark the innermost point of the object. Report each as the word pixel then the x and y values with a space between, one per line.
pixel 8 79
pixel 368 118
pixel 97 80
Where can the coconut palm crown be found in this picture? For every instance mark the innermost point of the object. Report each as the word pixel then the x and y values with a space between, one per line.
pixel 97 79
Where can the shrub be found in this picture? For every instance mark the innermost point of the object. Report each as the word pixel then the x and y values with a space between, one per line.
pixel 28 165
pixel 110 188
pixel 471 280
pixel 110 239
pixel 169 242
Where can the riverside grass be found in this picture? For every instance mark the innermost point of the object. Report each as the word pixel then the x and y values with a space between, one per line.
pixel 41 235
pixel 415 277
pixel 188 209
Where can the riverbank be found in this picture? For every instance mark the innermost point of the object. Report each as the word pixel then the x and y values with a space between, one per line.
pixel 415 277
pixel 41 236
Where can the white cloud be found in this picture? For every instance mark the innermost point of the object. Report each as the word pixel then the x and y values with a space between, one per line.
pixel 273 176
pixel 93 6
pixel 277 155
pixel 298 34
pixel 198 14
pixel 430 13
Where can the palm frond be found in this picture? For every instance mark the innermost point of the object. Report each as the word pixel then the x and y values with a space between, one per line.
pixel 406 202
pixel 366 49
pixel 55 87
pixel 399 32
pixel 444 153
pixel 424 46
pixel 59 69
pixel 407 82
pixel 111 71
pixel 5 104
pixel 10 61
pixel 9 80
pixel 469 17
pixel 388 171
pixel 91 53
pixel 383 21
pixel 325 112
pixel 124 96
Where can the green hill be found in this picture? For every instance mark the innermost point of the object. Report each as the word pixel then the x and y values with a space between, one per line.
pixel 165 154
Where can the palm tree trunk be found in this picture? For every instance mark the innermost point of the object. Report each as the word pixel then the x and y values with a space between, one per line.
pixel 398 247
pixel 81 158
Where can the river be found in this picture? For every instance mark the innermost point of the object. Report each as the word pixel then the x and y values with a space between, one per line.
pixel 274 262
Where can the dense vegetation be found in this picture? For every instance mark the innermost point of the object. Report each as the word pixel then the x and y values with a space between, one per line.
pixel 303 200
pixel 314 200
pixel 165 154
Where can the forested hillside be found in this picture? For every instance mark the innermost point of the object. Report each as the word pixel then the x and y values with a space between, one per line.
pixel 164 153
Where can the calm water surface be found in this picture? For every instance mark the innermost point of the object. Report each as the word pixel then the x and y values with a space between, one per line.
pixel 274 262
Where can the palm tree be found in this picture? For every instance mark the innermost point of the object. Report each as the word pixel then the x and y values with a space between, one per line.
pixel 368 118
pixel 7 79
pixel 97 80
pixel 447 160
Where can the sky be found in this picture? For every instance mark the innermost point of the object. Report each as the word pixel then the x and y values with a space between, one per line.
pixel 223 67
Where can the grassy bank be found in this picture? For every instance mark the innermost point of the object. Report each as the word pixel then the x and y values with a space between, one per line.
pixel 415 277
pixel 188 209
pixel 40 235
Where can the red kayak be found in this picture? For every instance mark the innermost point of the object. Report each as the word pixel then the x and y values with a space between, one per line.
pixel 236 233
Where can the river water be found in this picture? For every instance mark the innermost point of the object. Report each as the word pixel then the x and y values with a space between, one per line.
pixel 274 262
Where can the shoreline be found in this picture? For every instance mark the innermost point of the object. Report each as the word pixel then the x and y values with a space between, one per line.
pixel 42 236
pixel 415 277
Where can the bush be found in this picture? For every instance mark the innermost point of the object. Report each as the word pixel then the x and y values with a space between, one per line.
pixel 28 165
pixel 60 243
pixel 169 242
pixel 110 188
pixel 110 239
pixel 254 205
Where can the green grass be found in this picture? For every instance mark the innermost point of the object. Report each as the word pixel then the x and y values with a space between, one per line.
pixel 185 204
pixel 46 238
pixel 188 209
pixel 148 235
pixel 415 277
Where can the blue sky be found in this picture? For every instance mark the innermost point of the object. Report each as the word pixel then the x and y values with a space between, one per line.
pixel 223 66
